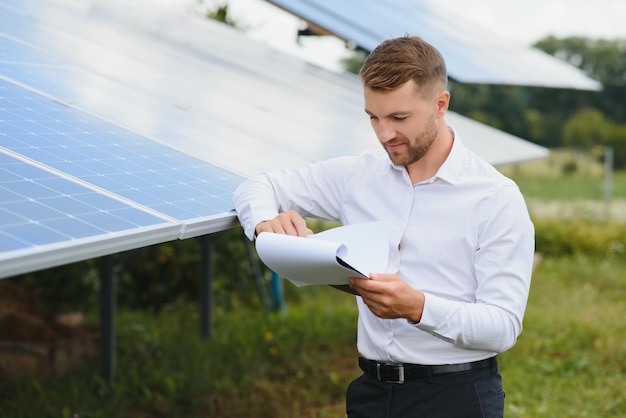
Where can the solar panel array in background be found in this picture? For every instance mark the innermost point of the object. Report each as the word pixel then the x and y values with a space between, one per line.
pixel 472 54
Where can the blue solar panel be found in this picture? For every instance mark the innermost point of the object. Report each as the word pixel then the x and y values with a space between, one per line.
pixel 112 158
pixel 73 185
pixel 38 208
pixel 472 54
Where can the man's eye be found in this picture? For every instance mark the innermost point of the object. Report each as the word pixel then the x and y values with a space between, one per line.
pixel 399 118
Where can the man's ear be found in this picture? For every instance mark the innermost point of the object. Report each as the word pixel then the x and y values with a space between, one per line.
pixel 442 101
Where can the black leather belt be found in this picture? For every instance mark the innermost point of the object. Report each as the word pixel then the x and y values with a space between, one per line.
pixel 399 373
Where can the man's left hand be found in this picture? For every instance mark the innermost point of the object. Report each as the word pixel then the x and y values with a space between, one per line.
pixel 388 296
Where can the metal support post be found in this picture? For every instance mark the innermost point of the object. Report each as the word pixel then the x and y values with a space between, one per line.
pixel 206 287
pixel 107 320
pixel 608 181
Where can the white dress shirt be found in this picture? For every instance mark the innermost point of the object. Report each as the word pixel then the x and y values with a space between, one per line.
pixel 463 237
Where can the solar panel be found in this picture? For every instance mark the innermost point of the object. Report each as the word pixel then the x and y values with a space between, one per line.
pixel 113 159
pixel 124 124
pixel 39 209
pixel 472 55
pixel 67 177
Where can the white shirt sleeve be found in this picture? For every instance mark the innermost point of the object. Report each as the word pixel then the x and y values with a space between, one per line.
pixel 503 267
pixel 315 191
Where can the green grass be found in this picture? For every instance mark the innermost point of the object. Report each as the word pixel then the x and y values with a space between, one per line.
pixel 571 358
pixel 580 194
pixel 569 362
pixel 570 188
pixel 257 364
pixel 544 179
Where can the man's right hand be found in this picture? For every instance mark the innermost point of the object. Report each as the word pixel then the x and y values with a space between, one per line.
pixel 289 223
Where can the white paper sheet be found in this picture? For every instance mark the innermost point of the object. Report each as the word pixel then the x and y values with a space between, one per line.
pixel 318 258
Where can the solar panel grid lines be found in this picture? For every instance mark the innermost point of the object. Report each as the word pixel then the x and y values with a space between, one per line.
pixel 116 160
pixel 32 192
pixel 46 220
pixel 54 173
pixel 74 186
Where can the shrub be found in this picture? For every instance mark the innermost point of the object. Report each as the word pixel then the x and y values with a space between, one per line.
pixel 561 237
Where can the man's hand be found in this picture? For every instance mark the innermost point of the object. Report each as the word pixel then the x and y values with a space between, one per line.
pixel 388 296
pixel 289 223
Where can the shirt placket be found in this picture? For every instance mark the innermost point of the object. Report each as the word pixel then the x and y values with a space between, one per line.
pixel 402 215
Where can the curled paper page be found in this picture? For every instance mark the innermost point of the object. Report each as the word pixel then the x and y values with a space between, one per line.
pixel 329 257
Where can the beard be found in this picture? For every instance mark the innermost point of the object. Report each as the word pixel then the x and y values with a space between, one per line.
pixel 417 147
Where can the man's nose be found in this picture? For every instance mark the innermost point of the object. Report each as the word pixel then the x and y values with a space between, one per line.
pixel 385 131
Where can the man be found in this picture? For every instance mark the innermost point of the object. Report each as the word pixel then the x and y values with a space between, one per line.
pixel 461 245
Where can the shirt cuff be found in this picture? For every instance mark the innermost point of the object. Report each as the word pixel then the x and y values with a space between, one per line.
pixel 433 314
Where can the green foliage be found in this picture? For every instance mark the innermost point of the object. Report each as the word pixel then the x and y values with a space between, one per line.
pixel 589 128
pixel 354 62
pixel 617 140
pixel 166 369
pixel 567 237
pixel 570 167
pixel 543 179
pixel 261 364
pixel 67 288
pixel 158 275
pixel 152 277
pixel 586 129
pixel 534 123
pixel 572 342
pixel 221 15
pixel 502 107
pixel 554 117
pixel 601 58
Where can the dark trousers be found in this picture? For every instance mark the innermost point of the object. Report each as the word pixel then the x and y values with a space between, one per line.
pixel 471 394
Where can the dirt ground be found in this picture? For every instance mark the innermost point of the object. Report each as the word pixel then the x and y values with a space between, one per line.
pixel 33 342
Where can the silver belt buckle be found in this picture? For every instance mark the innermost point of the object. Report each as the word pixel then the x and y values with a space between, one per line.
pixel 399 367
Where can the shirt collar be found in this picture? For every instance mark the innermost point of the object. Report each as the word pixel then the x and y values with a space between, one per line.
pixel 451 167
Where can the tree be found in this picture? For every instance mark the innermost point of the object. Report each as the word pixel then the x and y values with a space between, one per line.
pixel 602 59
pixel 586 129
pixel 221 13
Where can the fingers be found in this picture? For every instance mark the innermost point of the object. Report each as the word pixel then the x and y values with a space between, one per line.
pixel 367 289
pixel 388 296
pixel 376 282
pixel 288 223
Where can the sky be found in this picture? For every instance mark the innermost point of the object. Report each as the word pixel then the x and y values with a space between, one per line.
pixel 522 21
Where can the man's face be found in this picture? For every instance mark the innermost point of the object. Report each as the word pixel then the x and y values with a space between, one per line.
pixel 405 122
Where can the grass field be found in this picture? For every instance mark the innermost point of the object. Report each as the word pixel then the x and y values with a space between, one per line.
pixel 571 358
pixel 550 193
pixel 570 361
